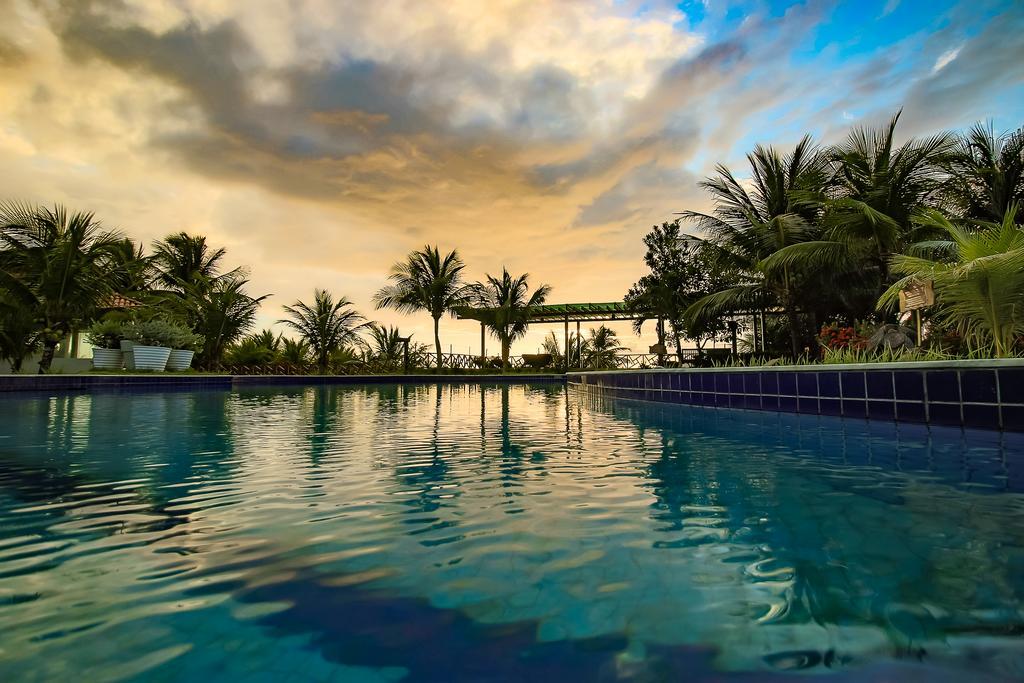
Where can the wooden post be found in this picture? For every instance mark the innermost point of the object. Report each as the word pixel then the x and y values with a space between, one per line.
pixel 579 346
pixel 566 346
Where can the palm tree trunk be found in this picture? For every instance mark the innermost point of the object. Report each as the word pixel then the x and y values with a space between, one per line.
pixel 49 348
pixel 437 341
pixel 505 344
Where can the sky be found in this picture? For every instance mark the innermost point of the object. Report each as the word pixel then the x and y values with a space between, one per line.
pixel 320 141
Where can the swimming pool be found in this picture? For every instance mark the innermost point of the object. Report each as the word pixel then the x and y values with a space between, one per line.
pixel 498 533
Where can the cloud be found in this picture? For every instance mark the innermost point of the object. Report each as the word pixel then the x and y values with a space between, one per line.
pixel 321 140
pixel 945 58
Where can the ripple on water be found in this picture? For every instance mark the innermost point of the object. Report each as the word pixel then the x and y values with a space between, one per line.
pixel 501 533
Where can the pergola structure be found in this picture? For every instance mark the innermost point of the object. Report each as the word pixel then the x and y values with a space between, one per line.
pixel 560 313
pixel 590 312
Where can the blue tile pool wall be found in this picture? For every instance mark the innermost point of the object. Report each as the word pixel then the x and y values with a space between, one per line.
pixel 987 398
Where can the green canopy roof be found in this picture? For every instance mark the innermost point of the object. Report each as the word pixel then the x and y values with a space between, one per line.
pixel 553 313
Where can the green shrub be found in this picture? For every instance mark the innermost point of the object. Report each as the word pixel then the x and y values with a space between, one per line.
pixel 105 334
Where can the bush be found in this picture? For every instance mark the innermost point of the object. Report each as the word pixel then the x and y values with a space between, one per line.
pixel 105 334
pixel 158 332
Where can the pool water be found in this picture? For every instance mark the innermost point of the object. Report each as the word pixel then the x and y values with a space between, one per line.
pixel 498 533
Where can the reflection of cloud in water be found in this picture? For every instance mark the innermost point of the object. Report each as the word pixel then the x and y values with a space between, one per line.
pixel 442 530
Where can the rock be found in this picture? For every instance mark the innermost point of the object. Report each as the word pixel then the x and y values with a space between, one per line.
pixel 893 337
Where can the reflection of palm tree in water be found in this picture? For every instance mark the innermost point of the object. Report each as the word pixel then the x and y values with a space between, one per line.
pixel 428 479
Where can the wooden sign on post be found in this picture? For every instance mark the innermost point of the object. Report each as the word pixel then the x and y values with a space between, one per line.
pixel 914 297
pixel 917 295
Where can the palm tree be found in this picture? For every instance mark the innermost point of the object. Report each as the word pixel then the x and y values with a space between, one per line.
pixel 19 331
pixel 876 189
pixel 604 347
pixel 508 302
pixel 327 326
pixel 978 275
pixel 186 260
pixel 133 270
pixel 747 226
pixel 426 282
pixel 295 351
pixel 57 264
pixel 986 173
pixel 221 313
pixel 386 344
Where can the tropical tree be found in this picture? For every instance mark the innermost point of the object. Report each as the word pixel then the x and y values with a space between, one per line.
pixel 751 221
pixel 426 281
pixel 508 303
pixel 20 335
pixel 683 270
pixel 876 189
pixel 978 275
pixel 386 344
pixel 295 351
pixel 603 347
pixel 985 173
pixel 256 349
pixel 327 325
pixel 56 264
pixel 184 260
pixel 221 313
pixel 132 271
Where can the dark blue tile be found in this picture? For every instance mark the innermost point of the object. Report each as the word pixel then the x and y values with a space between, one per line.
pixel 879 384
pixel 787 384
pixel 753 401
pixel 907 411
pixel 978 386
pixel 752 382
pixel 853 384
pixel 881 410
pixel 854 408
pixel 1011 386
pixel 707 399
pixel 736 383
pixel 944 413
pixel 722 400
pixel 721 382
pixel 943 385
pixel 983 417
pixel 1013 419
pixel 828 384
pixel 673 380
pixel 769 402
pixel 684 381
pixel 769 383
pixel 697 382
pixel 909 385
pixel 685 397
pixel 808 405
pixel 831 406
pixel 787 404
pixel 807 383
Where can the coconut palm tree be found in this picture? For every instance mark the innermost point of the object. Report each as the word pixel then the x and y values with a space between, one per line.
pixel 220 312
pixel 326 325
pixel 386 344
pixel 20 335
pixel 57 264
pixel 508 302
pixel 986 173
pixel 186 260
pixel 425 281
pixel 753 220
pixel 603 347
pixel 295 351
pixel 978 275
pixel 876 189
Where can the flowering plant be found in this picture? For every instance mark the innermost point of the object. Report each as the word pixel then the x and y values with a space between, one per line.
pixel 836 336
